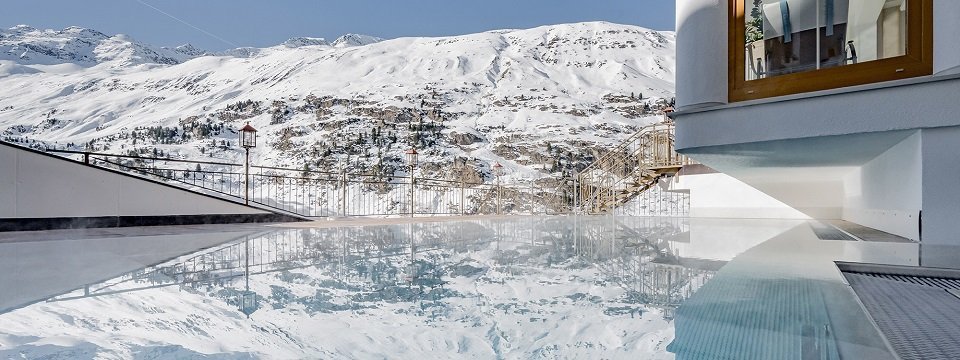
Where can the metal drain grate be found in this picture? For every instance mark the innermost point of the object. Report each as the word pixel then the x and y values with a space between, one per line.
pixel 828 232
pixel 943 283
pixel 918 315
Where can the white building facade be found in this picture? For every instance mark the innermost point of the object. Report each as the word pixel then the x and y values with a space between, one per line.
pixel 840 109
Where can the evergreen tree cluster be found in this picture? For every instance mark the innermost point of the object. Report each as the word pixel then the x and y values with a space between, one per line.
pixel 240 110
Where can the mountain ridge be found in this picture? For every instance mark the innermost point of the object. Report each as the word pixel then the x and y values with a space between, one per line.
pixel 27 45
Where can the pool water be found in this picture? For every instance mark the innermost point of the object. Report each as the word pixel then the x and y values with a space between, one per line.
pixel 518 287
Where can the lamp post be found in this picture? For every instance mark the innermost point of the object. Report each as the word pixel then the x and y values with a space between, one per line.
pixel 248 139
pixel 412 162
pixel 247 300
pixel 577 193
pixel 498 172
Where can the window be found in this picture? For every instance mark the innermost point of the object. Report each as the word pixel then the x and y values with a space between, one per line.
pixel 781 47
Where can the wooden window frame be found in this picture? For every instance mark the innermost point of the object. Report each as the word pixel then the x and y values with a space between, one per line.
pixel 918 60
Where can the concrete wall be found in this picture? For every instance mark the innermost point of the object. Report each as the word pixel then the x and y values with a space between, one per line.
pixel 940 223
pixel 701 53
pixel 946 31
pixel 39 186
pixel 885 193
pixel 926 104
pixel 821 199
pixel 717 195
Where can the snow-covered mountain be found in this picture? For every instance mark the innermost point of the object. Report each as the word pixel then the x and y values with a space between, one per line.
pixel 541 101
pixel 28 46
pixel 355 40
pixel 305 41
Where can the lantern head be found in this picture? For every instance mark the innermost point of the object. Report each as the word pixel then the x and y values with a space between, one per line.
pixel 497 169
pixel 248 136
pixel 412 155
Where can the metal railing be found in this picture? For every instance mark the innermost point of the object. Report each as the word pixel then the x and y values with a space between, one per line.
pixel 629 169
pixel 614 179
pixel 323 194
pixel 656 201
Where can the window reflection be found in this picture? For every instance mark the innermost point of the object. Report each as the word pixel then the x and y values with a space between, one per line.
pixel 791 36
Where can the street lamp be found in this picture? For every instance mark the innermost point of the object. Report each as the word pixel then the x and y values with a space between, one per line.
pixel 412 162
pixel 248 139
pixel 498 172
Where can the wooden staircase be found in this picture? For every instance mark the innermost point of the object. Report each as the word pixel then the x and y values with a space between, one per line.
pixel 629 169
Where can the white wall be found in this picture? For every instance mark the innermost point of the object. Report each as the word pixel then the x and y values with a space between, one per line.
pixel 885 193
pixel 8 183
pixel 38 186
pixel 946 31
pixel 701 53
pixel 817 199
pixel 717 195
pixel 940 238
pixel 929 104
pixel 725 239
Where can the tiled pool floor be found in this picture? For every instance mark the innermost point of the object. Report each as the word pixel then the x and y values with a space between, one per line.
pixel 522 287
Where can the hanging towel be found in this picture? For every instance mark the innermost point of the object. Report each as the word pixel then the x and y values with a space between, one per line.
pixel 828 13
pixel 785 17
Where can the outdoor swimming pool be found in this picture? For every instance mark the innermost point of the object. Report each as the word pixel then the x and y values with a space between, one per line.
pixel 518 287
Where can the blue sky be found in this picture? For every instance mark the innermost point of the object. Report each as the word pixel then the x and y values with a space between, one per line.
pixel 222 24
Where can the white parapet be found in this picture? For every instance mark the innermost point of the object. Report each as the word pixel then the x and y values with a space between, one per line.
pixel 35 185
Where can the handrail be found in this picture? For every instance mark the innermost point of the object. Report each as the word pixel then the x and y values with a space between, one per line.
pixel 87 153
pixel 618 150
pixel 623 145
pixel 601 185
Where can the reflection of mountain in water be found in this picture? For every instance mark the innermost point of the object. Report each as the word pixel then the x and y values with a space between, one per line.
pixel 385 259
pixel 500 277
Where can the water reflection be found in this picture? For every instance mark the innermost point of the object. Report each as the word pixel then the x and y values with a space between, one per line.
pixel 409 262
pixel 525 287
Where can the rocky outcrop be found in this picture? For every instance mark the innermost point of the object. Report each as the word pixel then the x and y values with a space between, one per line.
pixel 463 139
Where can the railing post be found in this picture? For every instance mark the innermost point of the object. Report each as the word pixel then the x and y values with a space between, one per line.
pixel 576 192
pixel 246 181
pixel 412 189
pixel 499 194
pixel 463 203
pixel 543 197
pixel 343 192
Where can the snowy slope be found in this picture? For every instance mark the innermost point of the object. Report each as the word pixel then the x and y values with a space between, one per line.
pixel 542 101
